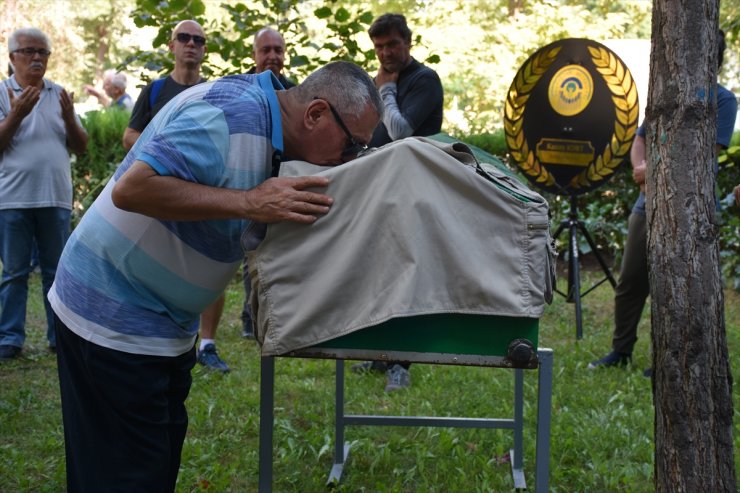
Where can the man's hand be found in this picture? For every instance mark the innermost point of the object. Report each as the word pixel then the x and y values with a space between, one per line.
pixel 638 174
pixel 384 77
pixel 737 195
pixel 67 102
pixel 143 191
pixel 286 199
pixel 24 104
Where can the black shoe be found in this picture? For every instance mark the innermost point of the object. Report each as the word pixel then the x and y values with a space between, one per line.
pixel 247 333
pixel 8 352
pixel 368 366
pixel 648 373
pixel 612 359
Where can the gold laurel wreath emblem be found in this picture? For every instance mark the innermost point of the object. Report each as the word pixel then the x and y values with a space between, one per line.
pixel 624 95
pixel 516 101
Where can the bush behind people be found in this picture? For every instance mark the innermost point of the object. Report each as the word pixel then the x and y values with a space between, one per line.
pixel 92 170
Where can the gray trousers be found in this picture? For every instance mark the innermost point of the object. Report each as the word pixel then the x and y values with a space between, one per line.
pixel 633 287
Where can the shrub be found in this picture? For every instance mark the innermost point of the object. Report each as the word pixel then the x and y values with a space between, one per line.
pixel 92 170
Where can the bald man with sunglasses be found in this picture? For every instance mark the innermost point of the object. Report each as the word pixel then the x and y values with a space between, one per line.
pixel 188 46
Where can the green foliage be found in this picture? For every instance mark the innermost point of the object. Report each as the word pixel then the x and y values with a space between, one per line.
pixel 331 35
pixel 491 142
pixel 601 437
pixel 92 170
pixel 728 179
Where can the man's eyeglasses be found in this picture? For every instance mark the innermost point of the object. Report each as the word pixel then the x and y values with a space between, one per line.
pixel 42 52
pixel 354 148
pixel 185 38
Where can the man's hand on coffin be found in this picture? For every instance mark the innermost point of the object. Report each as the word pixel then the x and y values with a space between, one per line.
pixel 142 190
pixel 286 199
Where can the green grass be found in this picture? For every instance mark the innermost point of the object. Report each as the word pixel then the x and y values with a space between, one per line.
pixel 602 422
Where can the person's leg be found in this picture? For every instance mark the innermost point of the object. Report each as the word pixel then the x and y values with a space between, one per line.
pixel 397 376
pixel 16 235
pixel 633 287
pixel 52 227
pixel 180 380
pixel 209 320
pixel 124 416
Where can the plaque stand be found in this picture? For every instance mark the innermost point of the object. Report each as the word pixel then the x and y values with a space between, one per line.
pixel 574 295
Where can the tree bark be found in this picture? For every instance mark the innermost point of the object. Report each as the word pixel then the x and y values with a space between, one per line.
pixel 515 7
pixel 692 383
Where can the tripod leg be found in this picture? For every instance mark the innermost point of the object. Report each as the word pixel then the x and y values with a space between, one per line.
pixel 574 277
pixel 560 229
pixel 600 259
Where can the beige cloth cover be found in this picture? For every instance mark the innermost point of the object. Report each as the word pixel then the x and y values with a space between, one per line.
pixel 414 230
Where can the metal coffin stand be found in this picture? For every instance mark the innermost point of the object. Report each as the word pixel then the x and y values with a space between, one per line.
pixel 519 354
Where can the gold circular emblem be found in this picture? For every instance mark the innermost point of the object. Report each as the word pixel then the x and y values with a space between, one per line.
pixel 571 89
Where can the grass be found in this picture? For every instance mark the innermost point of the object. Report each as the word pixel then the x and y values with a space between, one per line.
pixel 602 421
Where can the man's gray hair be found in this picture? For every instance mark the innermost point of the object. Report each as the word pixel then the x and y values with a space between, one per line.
pixel 29 32
pixel 118 79
pixel 343 84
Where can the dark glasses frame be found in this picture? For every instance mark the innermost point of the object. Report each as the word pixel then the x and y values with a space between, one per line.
pixel 42 52
pixel 354 148
pixel 185 38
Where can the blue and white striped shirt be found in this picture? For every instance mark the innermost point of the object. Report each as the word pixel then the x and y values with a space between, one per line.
pixel 136 284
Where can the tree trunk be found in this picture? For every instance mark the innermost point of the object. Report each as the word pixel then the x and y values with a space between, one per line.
pixel 101 54
pixel 692 383
pixel 515 7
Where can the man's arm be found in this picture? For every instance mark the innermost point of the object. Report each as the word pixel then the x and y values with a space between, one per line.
pixel 100 96
pixel 130 136
pixel 76 135
pixel 141 190
pixel 424 97
pixel 140 118
pixel 639 164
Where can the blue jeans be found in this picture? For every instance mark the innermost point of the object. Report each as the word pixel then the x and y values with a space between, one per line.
pixel 50 227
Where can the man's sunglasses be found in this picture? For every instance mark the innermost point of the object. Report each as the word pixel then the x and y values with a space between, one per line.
pixel 185 38
pixel 354 148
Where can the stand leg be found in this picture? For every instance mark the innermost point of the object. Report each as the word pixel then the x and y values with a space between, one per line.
pixel 598 256
pixel 574 278
pixel 544 408
pixel 517 453
pixel 267 401
pixel 574 293
pixel 341 450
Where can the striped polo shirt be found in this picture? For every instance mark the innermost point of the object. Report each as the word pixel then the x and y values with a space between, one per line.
pixel 137 284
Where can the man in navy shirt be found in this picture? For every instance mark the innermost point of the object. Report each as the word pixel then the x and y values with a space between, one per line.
pixel 413 98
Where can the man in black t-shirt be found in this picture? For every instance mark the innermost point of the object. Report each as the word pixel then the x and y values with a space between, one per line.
pixel 188 46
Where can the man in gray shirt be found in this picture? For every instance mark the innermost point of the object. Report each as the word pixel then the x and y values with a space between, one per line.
pixel 38 125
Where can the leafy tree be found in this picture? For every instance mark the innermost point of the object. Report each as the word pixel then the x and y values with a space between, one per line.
pixel 332 34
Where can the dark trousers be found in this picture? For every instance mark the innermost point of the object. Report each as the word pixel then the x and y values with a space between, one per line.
pixel 633 287
pixel 124 416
